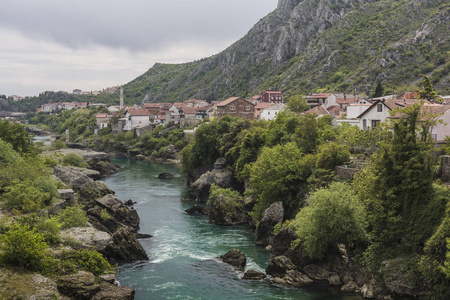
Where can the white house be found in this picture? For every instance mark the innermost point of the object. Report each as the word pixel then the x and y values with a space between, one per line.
pixel 325 99
pixel 271 112
pixel 442 129
pixel 136 117
pixel 372 116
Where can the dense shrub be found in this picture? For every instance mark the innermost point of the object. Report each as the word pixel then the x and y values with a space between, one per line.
pixel 75 160
pixel 73 216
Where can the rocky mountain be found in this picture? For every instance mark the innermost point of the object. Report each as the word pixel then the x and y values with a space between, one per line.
pixel 314 45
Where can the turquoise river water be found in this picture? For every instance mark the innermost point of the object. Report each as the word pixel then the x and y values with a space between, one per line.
pixel 183 252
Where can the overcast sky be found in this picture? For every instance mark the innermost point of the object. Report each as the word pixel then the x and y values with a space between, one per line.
pixel 92 44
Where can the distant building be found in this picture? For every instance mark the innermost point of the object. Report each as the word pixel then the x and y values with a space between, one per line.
pixel 271 112
pixel 271 97
pixel 77 92
pixel 236 107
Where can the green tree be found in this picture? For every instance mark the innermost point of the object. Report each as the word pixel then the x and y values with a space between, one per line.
pixel 24 196
pixel 426 88
pixel 379 91
pixel 58 144
pixel 280 174
pixel 331 155
pixel 333 215
pixel 297 104
pixel 23 246
pixel 16 135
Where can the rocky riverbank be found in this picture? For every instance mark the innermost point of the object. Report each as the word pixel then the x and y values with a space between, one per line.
pixel 288 266
pixel 112 231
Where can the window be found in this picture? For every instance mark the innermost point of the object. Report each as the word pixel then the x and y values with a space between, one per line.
pixel 268 113
pixel 231 107
pixel 364 124
pixel 379 107
pixel 375 123
pixel 247 108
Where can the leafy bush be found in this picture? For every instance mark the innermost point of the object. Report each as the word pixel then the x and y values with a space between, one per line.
pixel 51 230
pixel 334 215
pixel 72 159
pixel 23 246
pixel 332 155
pixel 73 216
pixel 92 261
pixel 23 196
pixel 47 185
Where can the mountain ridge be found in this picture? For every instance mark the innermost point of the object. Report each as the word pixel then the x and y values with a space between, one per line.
pixel 307 45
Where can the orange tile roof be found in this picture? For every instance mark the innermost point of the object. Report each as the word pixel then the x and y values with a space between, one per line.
pixel 318 110
pixel 101 115
pixel 322 95
pixel 189 110
pixel 228 101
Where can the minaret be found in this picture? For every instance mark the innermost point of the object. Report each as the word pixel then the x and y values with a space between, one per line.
pixel 121 98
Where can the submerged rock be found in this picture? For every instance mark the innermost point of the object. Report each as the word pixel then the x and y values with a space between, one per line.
pixel 236 258
pixel 165 176
pixel 197 210
pixel 272 216
pixel 254 275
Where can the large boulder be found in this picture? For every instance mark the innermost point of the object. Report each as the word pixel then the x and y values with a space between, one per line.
pixel 285 273
pixel 272 216
pixel 165 176
pixel 88 237
pixel 197 210
pixel 80 285
pixel 282 245
pixel 91 191
pixel 110 292
pixel 227 211
pixel 125 247
pixel 70 175
pixel 253 275
pixel 236 258
pixel 199 190
pixel 103 166
pixel 116 209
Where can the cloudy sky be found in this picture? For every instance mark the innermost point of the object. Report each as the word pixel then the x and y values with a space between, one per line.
pixel 92 44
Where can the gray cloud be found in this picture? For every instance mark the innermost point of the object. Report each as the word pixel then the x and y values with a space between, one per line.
pixel 92 44
pixel 137 25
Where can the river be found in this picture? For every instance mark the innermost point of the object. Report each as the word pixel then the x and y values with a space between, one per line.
pixel 183 252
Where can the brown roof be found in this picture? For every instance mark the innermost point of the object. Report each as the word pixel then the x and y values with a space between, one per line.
pixel 101 115
pixel 263 105
pixel 334 110
pixel 139 112
pixel 322 95
pixel 178 105
pixel 189 110
pixel 318 110
pixel 228 101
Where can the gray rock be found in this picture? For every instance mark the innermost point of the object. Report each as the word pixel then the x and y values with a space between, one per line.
pixel 125 247
pixel 199 190
pixel 236 258
pixel 119 211
pixel 88 237
pixel 197 210
pixel 351 287
pixel 78 286
pixel 335 280
pixel 272 216
pixel 227 211
pixel 165 176
pixel 316 272
pixel 66 194
pixel 220 163
pixel 111 292
pixel 109 278
pixel 71 176
pixel 91 191
pixel 253 275
pixel 279 265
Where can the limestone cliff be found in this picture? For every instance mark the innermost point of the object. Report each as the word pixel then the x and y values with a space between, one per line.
pixel 339 45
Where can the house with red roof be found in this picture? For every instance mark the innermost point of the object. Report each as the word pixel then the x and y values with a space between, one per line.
pixel 236 107
pixel 325 99
pixel 271 97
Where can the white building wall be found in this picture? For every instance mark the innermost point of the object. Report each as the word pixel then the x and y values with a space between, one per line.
pixel 373 115
pixel 330 101
pixel 441 131
pixel 353 111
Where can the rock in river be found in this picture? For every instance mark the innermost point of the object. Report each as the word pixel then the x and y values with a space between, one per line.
pixel 236 258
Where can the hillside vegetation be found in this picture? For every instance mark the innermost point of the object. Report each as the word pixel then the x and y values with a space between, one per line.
pixel 304 46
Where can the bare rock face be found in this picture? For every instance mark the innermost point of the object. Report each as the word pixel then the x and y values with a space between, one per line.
pixel 93 190
pixel 254 275
pixel 199 190
pixel 227 211
pixel 72 176
pixel 119 211
pixel 110 291
pixel 126 247
pixel 197 210
pixel 272 216
pixel 88 237
pixel 285 273
pixel 236 258
pixel 81 285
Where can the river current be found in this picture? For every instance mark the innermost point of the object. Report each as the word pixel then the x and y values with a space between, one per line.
pixel 183 252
